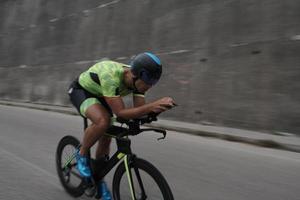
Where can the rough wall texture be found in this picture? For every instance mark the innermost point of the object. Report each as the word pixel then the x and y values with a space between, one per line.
pixel 232 63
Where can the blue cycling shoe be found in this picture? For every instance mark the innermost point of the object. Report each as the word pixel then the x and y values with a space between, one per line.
pixel 103 191
pixel 83 165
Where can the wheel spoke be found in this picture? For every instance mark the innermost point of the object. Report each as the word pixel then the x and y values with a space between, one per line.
pixel 76 174
pixel 69 160
pixel 68 178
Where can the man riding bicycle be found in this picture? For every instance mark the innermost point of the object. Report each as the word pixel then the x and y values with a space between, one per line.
pixel 98 92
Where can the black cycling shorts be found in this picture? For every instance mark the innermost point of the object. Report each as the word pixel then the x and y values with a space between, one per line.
pixel 82 99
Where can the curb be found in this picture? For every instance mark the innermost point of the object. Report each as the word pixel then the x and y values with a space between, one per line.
pixel 232 138
pixel 224 136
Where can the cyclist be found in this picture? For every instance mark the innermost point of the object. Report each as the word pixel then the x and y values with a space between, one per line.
pixel 98 92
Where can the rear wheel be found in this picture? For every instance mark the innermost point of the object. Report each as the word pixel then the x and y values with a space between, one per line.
pixel 65 166
pixel 148 182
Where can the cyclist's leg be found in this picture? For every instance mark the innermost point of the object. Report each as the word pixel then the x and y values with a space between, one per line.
pixel 94 108
pixel 100 119
pixel 103 147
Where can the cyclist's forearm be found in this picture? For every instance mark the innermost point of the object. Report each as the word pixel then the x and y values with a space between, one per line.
pixel 138 101
pixel 136 112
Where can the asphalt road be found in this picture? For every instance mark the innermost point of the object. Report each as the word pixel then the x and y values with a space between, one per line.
pixel 196 168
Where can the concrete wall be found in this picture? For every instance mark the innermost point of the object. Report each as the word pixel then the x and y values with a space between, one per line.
pixel 232 63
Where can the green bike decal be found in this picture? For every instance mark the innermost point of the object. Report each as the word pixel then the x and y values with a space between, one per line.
pixel 128 177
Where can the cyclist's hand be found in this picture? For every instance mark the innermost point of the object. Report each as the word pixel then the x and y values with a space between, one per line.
pixel 163 104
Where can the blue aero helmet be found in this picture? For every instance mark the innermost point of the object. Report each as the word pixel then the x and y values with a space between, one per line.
pixel 147 67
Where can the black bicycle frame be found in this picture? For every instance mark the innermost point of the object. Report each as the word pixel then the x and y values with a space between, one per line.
pixel 124 148
pixel 124 151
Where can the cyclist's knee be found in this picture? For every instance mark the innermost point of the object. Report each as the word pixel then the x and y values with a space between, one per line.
pixel 99 116
pixel 102 123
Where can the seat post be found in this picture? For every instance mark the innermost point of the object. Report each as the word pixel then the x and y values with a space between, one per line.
pixel 85 122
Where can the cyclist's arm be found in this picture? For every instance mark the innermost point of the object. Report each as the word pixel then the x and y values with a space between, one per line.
pixel 138 98
pixel 118 108
pixel 138 101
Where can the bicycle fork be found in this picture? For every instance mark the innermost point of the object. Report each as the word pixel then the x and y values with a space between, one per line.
pixel 128 160
pixel 129 177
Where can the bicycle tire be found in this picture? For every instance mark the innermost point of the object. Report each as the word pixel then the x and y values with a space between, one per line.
pixel 148 168
pixel 65 141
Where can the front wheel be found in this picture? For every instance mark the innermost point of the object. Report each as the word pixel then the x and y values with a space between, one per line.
pixel 148 182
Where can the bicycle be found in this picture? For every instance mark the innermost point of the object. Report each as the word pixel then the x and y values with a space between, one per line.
pixel 137 170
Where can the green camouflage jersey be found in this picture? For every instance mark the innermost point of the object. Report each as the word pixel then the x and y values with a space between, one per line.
pixel 106 78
